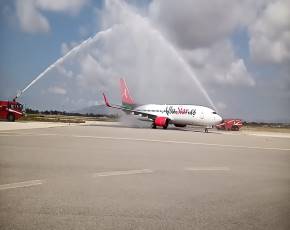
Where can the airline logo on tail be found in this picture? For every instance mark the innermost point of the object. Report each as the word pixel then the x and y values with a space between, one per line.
pixel 126 98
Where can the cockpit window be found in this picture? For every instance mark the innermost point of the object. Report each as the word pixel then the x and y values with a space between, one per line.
pixel 214 112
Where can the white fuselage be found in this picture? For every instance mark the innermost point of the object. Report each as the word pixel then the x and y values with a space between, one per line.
pixel 183 114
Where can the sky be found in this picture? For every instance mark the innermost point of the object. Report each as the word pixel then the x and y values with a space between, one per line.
pixel 231 55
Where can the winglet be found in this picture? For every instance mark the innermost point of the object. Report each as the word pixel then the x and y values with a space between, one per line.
pixel 106 100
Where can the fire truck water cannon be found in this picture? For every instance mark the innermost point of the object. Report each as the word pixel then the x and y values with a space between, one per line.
pixel 19 93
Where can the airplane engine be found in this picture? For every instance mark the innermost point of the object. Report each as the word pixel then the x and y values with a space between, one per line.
pixel 161 121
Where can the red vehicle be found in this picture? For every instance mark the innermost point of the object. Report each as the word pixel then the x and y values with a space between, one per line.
pixel 230 124
pixel 11 110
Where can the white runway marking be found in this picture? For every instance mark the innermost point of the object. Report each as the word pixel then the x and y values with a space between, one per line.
pixel 278 135
pixel 21 184
pixel 160 141
pixel 119 173
pixel 207 169
pixel 179 142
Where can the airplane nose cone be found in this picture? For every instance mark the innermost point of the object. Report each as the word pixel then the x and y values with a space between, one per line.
pixel 218 119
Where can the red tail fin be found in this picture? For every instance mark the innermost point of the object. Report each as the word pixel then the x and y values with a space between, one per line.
pixel 126 98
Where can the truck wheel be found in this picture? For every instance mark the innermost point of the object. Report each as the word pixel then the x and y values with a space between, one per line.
pixel 11 117
pixel 235 128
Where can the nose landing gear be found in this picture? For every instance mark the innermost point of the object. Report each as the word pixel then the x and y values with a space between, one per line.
pixel 207 128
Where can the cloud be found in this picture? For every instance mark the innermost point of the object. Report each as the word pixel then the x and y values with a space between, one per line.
pixel 68 73
pixel 221 105
pixel 66 47
pixel 200 23
pixel 93 75
pixel 270 34
pixel 238 74
pixel 31 18
pixel 201 29
pixel 70 6
pixel 218 65
pixel 57 90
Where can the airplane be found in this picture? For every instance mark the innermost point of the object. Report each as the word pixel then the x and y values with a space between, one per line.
pixel 163 115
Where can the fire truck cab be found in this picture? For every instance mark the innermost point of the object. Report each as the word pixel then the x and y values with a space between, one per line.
pixel 11 110
pixel 230 124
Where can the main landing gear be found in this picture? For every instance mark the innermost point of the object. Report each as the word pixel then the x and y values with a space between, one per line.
pixel 207 128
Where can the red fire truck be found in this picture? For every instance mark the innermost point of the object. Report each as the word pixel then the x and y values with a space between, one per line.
pixel 230 124
pixel 11 110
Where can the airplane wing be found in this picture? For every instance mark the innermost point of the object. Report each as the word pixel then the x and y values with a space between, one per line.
pixel 132 111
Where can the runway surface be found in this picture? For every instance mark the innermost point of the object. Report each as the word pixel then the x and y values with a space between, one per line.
pixel 105 177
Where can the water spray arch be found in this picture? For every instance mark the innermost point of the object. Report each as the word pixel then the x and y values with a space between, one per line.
pixel 102 34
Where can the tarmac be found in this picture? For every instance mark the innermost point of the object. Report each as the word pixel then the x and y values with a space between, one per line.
pixel 107 176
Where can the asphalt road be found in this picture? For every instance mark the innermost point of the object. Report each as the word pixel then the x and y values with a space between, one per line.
pixel 101 177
